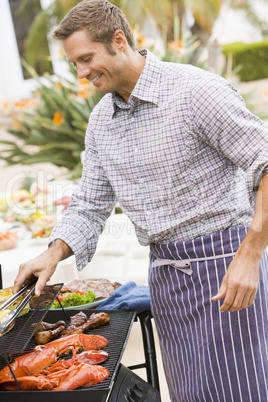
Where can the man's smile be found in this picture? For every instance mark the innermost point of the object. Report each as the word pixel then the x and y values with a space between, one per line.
pixel 96 78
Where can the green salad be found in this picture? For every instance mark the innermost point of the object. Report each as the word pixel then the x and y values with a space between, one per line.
pixel 74 299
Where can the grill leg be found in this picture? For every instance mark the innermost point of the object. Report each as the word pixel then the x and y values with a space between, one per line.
pixel 1 282
pixel 149 348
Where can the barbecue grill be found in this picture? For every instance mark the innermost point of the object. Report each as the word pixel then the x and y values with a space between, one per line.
pixel 122 382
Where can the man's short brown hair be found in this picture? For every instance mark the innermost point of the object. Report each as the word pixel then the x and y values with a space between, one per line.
pixel 99 18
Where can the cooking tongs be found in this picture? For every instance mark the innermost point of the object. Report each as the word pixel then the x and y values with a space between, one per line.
pixel 9 320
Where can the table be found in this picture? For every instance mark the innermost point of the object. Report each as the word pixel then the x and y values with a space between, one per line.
pixel 118 256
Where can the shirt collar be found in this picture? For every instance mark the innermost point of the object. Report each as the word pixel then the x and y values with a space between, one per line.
pixel 147 86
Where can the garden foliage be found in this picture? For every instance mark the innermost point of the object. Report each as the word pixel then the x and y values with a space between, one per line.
pixel 249 60
pixel 50 126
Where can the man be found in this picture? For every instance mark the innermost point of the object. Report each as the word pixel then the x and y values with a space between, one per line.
pixel 172 144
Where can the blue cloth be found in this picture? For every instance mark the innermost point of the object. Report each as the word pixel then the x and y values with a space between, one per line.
pixel 129 296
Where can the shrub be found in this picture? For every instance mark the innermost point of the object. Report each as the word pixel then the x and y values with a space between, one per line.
pixel 249 60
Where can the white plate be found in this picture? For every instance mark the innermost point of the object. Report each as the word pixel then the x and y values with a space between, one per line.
pixel 83 306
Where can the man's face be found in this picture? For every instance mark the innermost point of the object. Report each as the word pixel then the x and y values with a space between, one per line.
pixel 93 61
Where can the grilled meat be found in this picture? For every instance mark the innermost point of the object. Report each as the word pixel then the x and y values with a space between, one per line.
pixel 94 321
pixel 43 337
pixel 78 319
pixel 46 326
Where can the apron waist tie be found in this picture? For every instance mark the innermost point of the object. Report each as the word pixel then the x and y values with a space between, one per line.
pixel 185 265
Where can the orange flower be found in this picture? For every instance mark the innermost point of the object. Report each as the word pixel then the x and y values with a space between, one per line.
pixel 58 118
pixel 140 41
pixel 21 103
pixel 83 94
pixel 85 91
pixel 175 45
pixel 58 85
pixel 17 125
pixel 139 38
pixel 83 81
pixel 5 105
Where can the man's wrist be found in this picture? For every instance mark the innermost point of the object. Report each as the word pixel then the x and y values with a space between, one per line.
pixel 59 249
pixel 254 244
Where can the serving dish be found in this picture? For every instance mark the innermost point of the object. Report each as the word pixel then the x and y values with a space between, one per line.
pixel 103 288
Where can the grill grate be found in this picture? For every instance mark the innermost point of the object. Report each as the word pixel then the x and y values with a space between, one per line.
pixel 18 338
pixel 117 333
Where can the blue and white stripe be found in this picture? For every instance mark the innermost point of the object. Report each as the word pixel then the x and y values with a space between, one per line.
pixel 209 355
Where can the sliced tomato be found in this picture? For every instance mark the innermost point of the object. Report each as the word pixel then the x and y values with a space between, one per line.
pixel 80 291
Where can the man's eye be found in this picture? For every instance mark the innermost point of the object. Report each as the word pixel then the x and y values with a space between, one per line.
pixel 87 59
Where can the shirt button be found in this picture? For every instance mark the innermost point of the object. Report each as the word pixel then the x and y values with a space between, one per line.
pixel 142 180
pixel 136 150
pixel 148 213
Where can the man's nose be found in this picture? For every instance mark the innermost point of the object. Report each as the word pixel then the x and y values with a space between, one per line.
pixel 82 72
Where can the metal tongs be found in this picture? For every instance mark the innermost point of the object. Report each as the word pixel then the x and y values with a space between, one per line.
pixel 9 320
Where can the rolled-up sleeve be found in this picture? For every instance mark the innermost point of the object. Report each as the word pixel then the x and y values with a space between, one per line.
pixel 257 170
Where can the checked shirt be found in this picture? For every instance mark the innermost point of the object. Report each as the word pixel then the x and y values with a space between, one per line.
pixel 184 159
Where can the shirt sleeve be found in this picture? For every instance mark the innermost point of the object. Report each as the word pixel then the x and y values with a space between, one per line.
pixel 92 203
pixel 222 119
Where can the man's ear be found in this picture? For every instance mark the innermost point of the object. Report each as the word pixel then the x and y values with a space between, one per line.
pixel 119 39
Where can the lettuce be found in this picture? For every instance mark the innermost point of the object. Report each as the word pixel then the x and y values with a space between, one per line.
pixel 75 299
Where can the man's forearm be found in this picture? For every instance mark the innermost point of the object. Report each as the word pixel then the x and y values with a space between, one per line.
pixel 60 250
pixel 257 236
pixel 240 283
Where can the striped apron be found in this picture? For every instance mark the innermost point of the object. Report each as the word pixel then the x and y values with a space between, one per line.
pixel 208 355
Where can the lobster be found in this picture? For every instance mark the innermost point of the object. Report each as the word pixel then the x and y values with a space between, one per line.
pixel 91 357
pixel 43 356
pixel 79 374
pixel 76 343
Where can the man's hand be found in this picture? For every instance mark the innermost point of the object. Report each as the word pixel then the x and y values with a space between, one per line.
pixel 239 285
pixel 42 266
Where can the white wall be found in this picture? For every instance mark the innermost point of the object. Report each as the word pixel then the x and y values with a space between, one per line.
pixel 13 86
pixel 11 76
